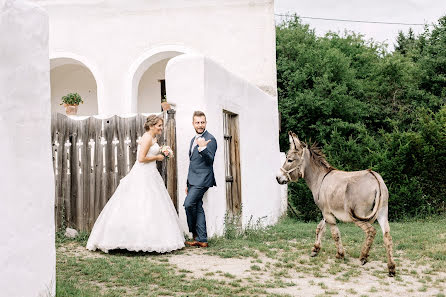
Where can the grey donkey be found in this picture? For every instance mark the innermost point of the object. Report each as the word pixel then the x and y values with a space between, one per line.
pixel 360 197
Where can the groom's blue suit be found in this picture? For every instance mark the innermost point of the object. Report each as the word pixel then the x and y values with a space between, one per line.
pixel 199 179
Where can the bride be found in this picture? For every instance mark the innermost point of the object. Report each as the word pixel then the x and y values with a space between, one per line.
pixel 140 215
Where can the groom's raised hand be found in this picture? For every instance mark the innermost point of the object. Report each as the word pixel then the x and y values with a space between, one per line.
pixel 201 142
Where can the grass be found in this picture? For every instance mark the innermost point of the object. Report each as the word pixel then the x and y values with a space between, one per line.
pixel 276 254
pixel 133 275
pixel 419 241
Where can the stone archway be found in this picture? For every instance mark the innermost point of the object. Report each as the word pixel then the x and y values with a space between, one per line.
pixel 71 75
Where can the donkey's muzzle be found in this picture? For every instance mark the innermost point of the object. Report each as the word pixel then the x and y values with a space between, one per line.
pixel 281 180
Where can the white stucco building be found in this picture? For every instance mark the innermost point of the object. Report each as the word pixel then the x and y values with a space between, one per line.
pixel 212 55
pixel 114 52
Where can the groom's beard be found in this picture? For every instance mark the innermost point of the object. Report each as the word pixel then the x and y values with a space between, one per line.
pixel 199 132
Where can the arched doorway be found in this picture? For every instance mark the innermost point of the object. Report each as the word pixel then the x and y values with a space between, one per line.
pixel 69 75
pixel 147 78
pixel 152 88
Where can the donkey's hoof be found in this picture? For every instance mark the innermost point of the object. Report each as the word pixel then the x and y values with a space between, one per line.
pixel 339 256
pixel 391 270
pixel 315 250
pixel 363 261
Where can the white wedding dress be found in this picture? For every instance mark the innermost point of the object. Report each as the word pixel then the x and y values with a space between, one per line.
pixel 140 215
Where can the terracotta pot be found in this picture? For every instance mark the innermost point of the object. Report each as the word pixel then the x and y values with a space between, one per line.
pixel 70 109
pixel 165 106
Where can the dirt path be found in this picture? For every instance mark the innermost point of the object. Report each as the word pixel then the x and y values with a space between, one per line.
pixel 303 277
pixel 351 279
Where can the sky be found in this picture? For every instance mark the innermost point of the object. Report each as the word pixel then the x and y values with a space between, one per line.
pixel 394 11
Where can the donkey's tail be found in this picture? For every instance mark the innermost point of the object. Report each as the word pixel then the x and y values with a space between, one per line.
pixel 377 204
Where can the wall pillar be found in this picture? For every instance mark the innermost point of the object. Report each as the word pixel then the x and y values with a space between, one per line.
pixel 27 247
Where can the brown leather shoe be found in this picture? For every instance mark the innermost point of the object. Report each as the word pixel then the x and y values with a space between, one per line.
pixel 191 243
pixel 202 244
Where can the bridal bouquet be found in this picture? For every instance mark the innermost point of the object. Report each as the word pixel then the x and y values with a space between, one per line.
pixel 166 151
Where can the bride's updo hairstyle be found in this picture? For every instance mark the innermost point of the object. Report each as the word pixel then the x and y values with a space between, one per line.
pixel 152 120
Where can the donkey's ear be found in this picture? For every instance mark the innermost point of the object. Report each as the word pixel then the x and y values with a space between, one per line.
pixel 292 143
pixel 298 145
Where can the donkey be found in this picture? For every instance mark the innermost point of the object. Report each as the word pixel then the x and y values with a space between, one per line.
pixel 360 197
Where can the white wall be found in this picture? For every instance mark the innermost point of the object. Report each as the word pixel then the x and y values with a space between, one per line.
pixel 70 78
pixel 27 248
pixel 198 83
pixel 149 90
pixel 238 34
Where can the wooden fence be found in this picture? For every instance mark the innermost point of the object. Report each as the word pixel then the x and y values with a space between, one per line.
pixel 92 155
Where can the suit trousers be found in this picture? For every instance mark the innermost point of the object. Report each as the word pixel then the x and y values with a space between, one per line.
pixel 196 219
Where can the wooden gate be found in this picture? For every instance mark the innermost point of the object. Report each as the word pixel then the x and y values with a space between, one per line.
pixel 91 156
pixel 232 163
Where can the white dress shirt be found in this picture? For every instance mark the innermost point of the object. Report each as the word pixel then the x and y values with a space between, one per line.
pixel 194 143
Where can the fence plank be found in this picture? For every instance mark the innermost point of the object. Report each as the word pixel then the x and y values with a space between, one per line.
pixel 133 145
pixel 56 126
pixel 88 169
pixel 121 146
pixel 83 184
pixel 62 171
pixel 140 121
pixel 109 177
pixel 98 169
pixel 76 184
pixel 73 170
pixel 65 177
pixel 107 152
pixel 114 156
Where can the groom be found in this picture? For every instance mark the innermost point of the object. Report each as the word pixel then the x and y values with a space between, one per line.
pixel 199 179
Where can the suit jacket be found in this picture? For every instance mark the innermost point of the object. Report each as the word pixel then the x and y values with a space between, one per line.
pixel 201 169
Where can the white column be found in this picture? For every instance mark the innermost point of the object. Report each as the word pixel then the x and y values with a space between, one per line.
pixel 185 89
pixel 27 248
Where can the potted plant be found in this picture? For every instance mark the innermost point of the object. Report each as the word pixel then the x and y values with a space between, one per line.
pixel 164 104
pixel 71 102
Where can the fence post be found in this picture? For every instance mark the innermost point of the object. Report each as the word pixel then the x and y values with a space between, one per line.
pixel 172 163
pixel 162 140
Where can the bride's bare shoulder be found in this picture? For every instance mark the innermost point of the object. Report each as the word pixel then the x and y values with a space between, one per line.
pixel 147 138
pixel 147 135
